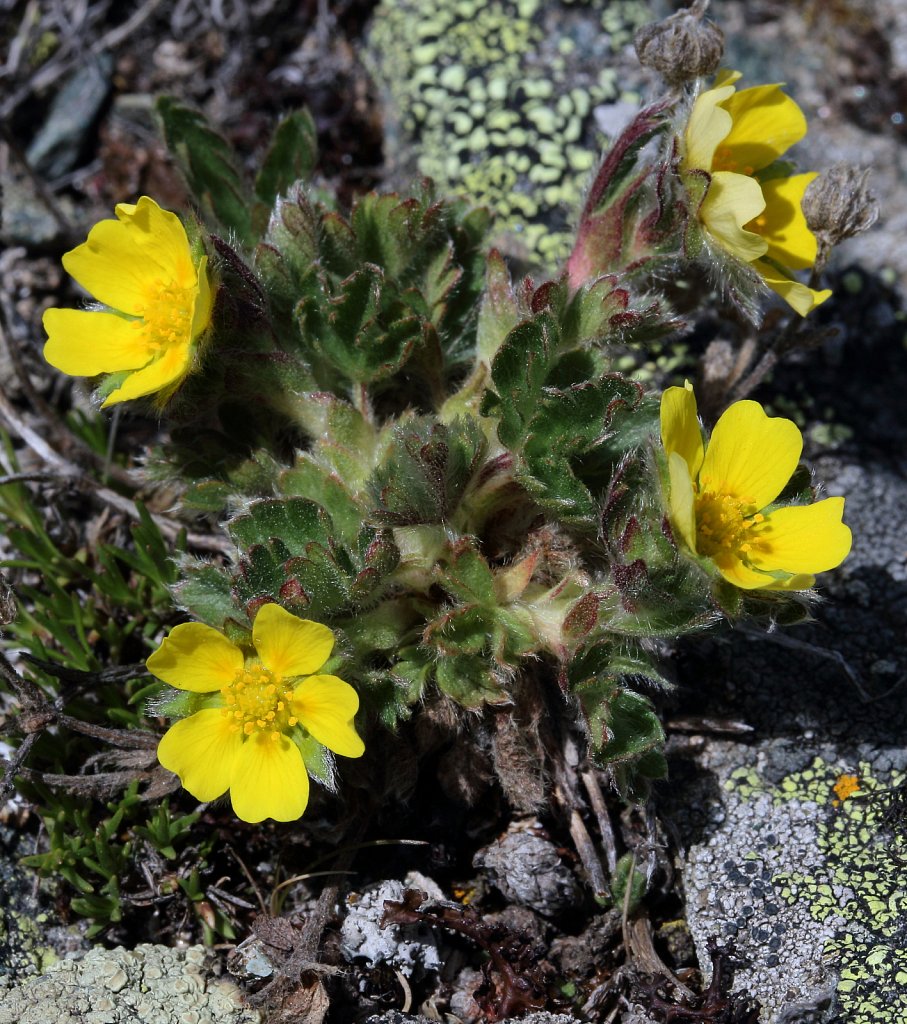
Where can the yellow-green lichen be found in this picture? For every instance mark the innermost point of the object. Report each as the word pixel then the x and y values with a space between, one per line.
pixel 22 952
pixel 863 882
pixel 495 99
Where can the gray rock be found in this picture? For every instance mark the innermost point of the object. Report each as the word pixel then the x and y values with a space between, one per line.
pixel 60 140
pixel 396 1017
pixel 526 866
pixel 804 875
pixel 151 984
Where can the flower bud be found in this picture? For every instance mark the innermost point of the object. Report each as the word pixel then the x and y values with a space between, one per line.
pixel 682 47
pixel 839 204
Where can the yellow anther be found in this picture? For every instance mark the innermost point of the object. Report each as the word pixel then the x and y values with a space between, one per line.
pixel 292 720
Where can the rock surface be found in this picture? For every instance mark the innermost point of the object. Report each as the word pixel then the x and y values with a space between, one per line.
pixel 151 984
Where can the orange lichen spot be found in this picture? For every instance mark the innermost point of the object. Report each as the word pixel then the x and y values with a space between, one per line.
pixel 845 787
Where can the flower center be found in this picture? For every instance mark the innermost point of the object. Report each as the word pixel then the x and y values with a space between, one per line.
pixel 257 701
pixel 166 315
pixel 724 160
pixel 725 525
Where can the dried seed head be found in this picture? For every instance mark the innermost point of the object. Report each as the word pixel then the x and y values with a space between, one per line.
pixel 683 47
pixel 839 203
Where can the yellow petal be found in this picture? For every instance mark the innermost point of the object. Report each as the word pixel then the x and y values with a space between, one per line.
pixel 268 779
pixel 802 298
pixel 803 538
pixel 741 575
pixel 84 344
pixel 201 314
pixel 731 201
pixel 326 706
pixel 748 578
pixel 681 501
pixel 160 375
pixel 290 646
pixel 708 125
pixel 751 456
pixel 680 427
pixel 112 268
pixel 196 658
pixel 160 235
pixel 766 123
pixel 783 225
pixel 201 750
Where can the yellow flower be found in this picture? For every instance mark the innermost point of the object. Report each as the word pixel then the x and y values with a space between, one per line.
pixel 720 497
pixel 158 300
pixel 733 136
pixel 243 738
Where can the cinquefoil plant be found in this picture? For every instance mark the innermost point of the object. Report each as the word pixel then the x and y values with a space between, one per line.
pixel 435 486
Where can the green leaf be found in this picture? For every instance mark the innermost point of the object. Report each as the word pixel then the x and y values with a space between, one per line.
pixel 567 432
pixel 378 557
pixel 355 330
pixel 291 156
pixel 208 165
pixel 321 484
pixel 466 575
pixel 291 246
pixel 469 680
pixel 295 522
pixel 499 313
pixel 633 728
pixel 205 592
pixel 519 372
pixel 426 470
pixel 622 878
pixel 463 630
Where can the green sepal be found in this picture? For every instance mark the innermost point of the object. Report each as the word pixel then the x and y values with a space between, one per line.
pixel 318 760
pixel 182 703
pixel 208 164
pixel 291 156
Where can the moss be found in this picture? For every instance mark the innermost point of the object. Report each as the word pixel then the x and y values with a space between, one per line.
pixel 496 99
